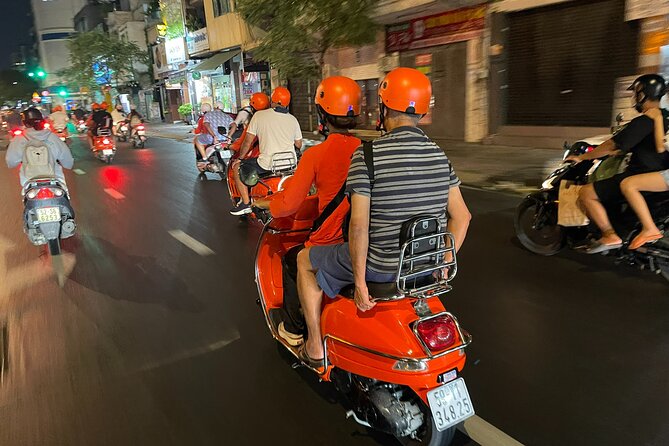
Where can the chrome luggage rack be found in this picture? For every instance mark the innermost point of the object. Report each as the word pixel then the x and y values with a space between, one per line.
pixel 283 163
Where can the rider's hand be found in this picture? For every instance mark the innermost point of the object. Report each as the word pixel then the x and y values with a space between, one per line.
pixel 362 299
pixel 262 203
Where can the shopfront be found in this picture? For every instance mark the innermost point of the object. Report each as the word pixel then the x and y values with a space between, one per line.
pixel 438 46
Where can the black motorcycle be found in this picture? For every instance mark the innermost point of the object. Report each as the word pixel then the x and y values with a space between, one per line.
pixel 536 219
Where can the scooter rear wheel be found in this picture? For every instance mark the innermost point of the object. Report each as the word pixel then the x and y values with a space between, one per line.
pixel 431 435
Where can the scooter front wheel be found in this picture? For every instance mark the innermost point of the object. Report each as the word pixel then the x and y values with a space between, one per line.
pixel 545 238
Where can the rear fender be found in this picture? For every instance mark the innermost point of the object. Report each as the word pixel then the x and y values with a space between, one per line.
pixel 50 230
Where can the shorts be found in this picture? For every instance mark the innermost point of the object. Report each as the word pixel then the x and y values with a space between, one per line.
pixel 335 269
pixel 254 162
pixel 608 190
pixel 205 139
pixel 665 175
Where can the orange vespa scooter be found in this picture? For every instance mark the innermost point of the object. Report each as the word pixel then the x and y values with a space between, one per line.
pixel 398 364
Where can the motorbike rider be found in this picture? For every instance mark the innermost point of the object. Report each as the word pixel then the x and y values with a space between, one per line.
pixel 78 113
pixel 134 119
pixel 213 121
pixel 325 166
pixel 258 101
pixel 59 118
pixel 118 118
pixel 200 148
pixel 636 138
pixel 411 176
pixel 277 131
pixel 35 134
pixel 99 120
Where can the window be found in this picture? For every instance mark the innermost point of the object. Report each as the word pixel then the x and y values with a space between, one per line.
pixel 221 7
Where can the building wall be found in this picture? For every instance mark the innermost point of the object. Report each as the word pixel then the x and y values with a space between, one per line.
pixel 53 24
pixel 228 30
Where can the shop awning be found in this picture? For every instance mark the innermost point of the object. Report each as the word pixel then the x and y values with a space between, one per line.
pixel 216 61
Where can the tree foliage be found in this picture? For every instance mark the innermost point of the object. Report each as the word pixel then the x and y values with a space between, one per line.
pixel 299 33
pixel 97 58
pixel 22 90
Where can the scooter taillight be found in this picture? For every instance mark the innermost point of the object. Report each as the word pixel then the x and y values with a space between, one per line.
pixel 17 132
pixel 140 127
pixel 44 193
pixel 438 333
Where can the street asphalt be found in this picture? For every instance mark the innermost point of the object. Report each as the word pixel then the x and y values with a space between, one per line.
pixel 154 341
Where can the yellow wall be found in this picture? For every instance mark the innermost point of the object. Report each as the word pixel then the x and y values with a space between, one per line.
pixel 228 30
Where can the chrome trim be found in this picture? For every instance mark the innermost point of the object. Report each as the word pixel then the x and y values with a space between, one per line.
pixel 283 162
pixel 465 340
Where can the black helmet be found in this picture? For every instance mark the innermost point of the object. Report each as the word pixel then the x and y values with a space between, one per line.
pixel 32 117
pixel 648 87
pixel 248 174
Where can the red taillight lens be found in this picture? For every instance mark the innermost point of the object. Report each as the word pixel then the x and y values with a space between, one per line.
pixel 438 333
pixel 140 127
pixel 47 125
pixel 17 132
pixel 45 194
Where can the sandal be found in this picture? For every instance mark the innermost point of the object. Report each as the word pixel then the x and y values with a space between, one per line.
pixel 598 247
pixel 639 240
pixel 303 355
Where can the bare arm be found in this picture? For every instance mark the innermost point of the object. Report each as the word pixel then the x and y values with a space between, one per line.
pixel 658 128
pixel 246 145
pixel 458 216
pixel 358 242
pixel 298 144
pixel 608 147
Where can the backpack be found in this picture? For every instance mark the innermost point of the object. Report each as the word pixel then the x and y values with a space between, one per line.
pixel 37 160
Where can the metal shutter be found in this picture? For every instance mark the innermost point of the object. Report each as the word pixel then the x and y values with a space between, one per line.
pixel 563 62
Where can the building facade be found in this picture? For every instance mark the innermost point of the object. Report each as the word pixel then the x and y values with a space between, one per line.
pixel 53 27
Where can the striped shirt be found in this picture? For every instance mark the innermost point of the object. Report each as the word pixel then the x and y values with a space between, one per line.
pixel 412 176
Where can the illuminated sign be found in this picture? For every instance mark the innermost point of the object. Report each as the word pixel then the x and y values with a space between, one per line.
pixel 175 51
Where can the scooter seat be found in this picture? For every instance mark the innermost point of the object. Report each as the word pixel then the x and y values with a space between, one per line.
pixel 376 290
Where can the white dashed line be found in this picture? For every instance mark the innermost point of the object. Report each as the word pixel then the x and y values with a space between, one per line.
pixel 79 172
pixel 115 194
pixel 485 433
pixel 190 242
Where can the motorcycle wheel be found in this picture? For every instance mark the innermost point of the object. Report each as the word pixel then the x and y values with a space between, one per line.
pixel 546 241
pixel 431 436
pixel 54 247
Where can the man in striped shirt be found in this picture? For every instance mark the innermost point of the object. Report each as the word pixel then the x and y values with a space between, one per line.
pixel 411 176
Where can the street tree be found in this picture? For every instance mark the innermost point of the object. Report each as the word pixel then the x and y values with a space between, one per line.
pixel 298 34
pixel 97 59
pixel 16 86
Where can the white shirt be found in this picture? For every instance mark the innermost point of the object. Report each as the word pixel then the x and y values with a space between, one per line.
pixel 276 132
pixel 243 117
pixel 59 120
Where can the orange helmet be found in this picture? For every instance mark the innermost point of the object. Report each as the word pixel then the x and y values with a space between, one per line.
pixel 260 101
pixel 281 96
pixel 406 90
pixel 339 96
pixel 104 106
pixel 95 106
pixel 57 108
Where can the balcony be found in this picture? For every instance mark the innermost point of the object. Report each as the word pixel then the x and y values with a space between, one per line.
pixel 398 11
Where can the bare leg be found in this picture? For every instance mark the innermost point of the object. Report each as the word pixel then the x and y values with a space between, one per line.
pixel 241 187
pixel 200 148
pixel 595 209
pixel 311 297
pixel 632 188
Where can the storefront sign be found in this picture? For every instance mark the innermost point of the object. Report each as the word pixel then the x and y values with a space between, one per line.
pixel 448 27
pixel 175 51
pixel 640 9
pixel 159 59
pixel 197 41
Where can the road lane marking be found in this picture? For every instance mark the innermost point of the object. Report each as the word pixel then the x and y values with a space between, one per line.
pixel 485 433
pixel 115 194
pixel 190 242
pixel 188 354
pixel 79 172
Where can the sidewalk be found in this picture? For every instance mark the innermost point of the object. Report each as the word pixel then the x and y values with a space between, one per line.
pixel 505 168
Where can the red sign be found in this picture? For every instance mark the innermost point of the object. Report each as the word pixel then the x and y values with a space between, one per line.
pixel 439 29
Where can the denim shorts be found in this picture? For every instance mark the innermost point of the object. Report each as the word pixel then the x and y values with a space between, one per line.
pixel 335 269
pixel 665 175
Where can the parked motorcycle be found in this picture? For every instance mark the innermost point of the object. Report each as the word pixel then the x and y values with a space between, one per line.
pixel 138 137
pixel 536 220
pixel 48 214
pixel 104 148
pixel 399 365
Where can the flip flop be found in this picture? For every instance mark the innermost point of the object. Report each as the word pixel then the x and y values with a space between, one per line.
pixel 308 360
pixel 639 241
pixel 598 247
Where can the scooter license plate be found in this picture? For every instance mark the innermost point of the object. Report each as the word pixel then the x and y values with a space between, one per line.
pixel 140 132
pixel 107 152
pixel 450 404
pixel 48 215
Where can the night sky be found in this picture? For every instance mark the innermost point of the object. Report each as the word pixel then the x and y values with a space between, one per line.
pixel 15 26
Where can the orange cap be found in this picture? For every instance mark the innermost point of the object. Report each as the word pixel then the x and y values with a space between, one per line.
pixel 95 106
pixel 260 101
pixel 104 106
pixel 281 96
pixel 339 96
pixel 406 90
